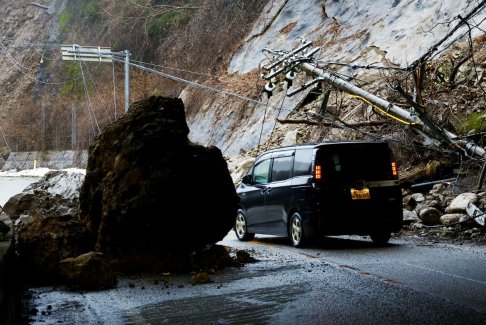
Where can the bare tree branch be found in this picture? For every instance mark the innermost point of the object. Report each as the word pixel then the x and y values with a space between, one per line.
pixel 308 122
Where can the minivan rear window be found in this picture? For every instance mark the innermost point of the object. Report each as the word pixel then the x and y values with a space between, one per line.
pixel 369 162
pixel 303 162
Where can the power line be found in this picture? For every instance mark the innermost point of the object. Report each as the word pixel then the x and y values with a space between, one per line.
pixel 435 47
pixel 97 92
pixel 195 84
pixel 22 69
pixel 90 110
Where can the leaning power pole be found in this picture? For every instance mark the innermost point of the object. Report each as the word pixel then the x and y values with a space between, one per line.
pixel 99 54
pixel 286 63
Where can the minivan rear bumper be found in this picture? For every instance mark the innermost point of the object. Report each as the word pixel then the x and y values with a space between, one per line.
pixel 340 215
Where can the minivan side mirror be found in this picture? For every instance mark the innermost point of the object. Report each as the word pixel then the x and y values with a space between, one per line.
pixel 247 180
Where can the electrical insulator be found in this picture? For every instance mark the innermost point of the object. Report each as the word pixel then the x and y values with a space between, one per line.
pixel 269 88
pixel 290 75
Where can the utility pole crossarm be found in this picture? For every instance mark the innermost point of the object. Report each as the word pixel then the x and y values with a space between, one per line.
pixel 98 54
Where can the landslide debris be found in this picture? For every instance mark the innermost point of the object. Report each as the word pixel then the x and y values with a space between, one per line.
pixel 151 200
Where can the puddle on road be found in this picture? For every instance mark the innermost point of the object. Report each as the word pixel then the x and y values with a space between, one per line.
pixel 249 307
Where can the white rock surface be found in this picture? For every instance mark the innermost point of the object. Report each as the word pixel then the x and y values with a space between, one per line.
pixel 459 204
pixel 290 138
pixel 359 31
pixel 451 218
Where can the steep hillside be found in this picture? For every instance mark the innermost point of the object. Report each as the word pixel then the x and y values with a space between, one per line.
pixel 54 104
pixel 210 53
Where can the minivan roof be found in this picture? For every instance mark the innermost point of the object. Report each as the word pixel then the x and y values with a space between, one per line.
pixel 321 144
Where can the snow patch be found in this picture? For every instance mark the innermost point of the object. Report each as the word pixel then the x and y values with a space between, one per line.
pixel 37 172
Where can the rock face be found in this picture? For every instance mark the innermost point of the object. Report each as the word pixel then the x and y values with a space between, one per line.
pixel 149 191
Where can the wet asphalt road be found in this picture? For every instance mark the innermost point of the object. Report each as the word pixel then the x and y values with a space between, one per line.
pixel 343 280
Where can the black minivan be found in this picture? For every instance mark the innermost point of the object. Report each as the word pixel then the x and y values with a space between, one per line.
pixel 329 188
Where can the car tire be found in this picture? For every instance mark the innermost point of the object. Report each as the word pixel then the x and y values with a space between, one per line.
pixel 381 237
pixel 241 230
pixel 296 230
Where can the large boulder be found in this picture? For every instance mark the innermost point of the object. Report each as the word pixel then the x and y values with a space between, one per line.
pixel 150 192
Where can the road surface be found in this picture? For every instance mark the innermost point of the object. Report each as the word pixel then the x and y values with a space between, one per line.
pixel 343 280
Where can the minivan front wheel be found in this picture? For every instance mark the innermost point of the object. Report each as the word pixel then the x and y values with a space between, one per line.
pixel 296 230
pixel 241 230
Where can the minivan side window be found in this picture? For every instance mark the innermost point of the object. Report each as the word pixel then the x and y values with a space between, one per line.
pixel 303 162
pixel 261 171
pixel 281 168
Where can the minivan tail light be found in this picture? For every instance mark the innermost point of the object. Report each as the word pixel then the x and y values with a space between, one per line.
pixel 318 172
pixel 394 169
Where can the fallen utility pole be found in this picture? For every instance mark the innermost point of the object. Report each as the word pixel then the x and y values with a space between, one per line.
pixel 420 123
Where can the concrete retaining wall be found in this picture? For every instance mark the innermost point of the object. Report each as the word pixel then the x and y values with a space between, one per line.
pixel 48 159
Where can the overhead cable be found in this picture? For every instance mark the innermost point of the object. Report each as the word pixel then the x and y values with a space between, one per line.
pixel 195 84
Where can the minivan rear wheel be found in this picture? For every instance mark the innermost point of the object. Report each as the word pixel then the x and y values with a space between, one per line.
pixel 296 230
pixel 241 230
pixel 381 237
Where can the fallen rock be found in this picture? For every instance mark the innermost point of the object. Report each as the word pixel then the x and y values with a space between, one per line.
pixel 430 216
pixel 410 216
pixel 450 218
pixel 418 197
pixel 200 278
pixel 459 204
pixel 439 188
pixel 412 201
pixel 150 192
pixel 19 203
pixel 244 257
pixel 212 258
pixel 88 271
